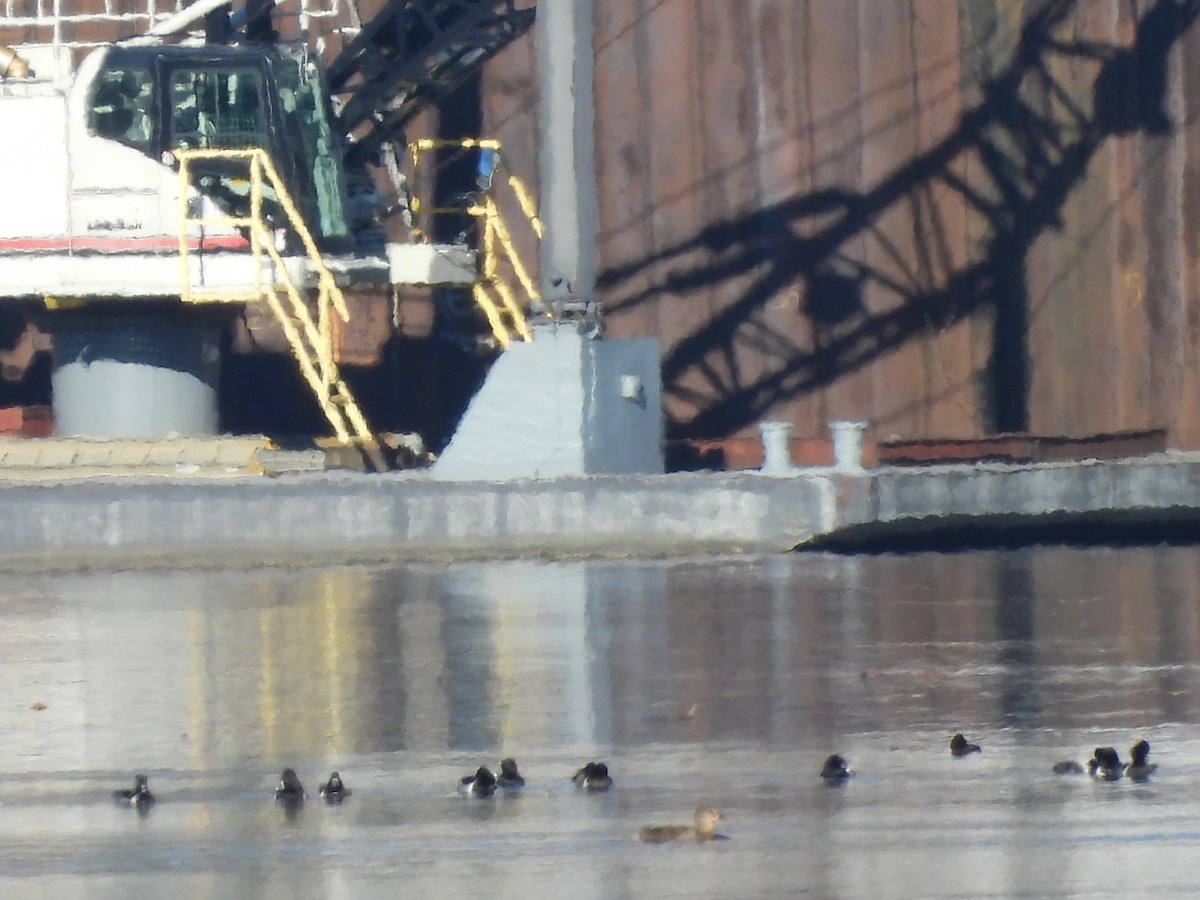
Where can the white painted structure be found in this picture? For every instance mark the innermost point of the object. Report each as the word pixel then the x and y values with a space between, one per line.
pixel 87 217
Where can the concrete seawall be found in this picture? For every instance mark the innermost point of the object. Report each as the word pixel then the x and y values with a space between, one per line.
pixel 333 517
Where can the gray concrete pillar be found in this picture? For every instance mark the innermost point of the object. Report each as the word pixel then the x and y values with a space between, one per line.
pixel 126 374
pixel 566 162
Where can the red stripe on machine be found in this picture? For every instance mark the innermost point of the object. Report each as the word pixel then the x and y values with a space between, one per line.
pixel 156 244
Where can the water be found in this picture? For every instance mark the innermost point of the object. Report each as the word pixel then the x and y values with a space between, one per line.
pixel 723 681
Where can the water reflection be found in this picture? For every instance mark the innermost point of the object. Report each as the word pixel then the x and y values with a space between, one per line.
pixel 721 680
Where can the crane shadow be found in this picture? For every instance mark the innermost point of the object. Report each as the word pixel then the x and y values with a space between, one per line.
pixel 1029 141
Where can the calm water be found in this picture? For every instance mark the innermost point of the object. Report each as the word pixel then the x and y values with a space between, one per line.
pixel 723 681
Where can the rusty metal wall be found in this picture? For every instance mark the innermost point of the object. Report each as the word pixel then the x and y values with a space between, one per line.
pixel 949 218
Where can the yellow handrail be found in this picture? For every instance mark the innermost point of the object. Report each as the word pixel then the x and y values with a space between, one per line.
pixel 507 317
pixel 312 342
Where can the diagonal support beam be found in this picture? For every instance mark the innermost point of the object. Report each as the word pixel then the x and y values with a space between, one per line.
pixel 412 54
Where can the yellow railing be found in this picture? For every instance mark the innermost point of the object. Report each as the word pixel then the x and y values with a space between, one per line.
pixel 504 305
pixel 311 341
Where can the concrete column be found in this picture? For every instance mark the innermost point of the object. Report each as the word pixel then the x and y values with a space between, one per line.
pixel 566 164
pixel 134 375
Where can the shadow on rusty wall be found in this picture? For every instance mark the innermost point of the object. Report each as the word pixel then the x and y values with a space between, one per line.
pixel 1032 142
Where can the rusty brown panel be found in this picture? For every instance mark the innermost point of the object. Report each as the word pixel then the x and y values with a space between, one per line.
pixel 1186 430
pixel 890 258
pixel 1046 389
pixel 1082 288
pixel 831 60
pixel 1045 368
pixel 1117 326
pixel 1132 376
pixel 1084 320
pixel 612 22
pixel 360 341
pixel 1126 260
pixel 1164 296
pixel 1162 217
pixel 782 169
pixel 987 37
pixel 676 184
pixel 1064 197
pixel 733 281
pixel 1054 313
pixel 949 390
pixel 622 183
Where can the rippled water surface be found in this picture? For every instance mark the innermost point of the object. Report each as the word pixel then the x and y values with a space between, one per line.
pixel 722 681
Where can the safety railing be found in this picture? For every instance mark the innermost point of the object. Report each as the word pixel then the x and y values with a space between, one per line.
pixel 505 290
pixel 311 339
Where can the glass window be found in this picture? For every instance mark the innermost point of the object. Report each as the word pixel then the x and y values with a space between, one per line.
pixel 121 107
pixel 217 109
pixel 302 96
pixel 221 109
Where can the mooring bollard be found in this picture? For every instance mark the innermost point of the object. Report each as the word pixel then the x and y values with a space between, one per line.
pixel 848 445
pixel 777 447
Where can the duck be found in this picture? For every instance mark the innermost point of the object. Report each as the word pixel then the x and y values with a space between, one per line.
pixel 481 784
pixel 960 746
pixel 705 829
pixel 1106 764
pixel 1067 767
pixel 139 796
pixel 835 769
pixel 289 792
pixel 334 791
pixel 509 777
pixel 593 777
pixel 1139 769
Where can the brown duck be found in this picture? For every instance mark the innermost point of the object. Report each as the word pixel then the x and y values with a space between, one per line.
pixel 705 829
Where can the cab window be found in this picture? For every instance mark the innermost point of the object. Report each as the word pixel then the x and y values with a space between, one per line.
pixel 121 107
pixel 216 109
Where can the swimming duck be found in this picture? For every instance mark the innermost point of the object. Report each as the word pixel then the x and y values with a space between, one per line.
pixel 1106 764
pixel 509 777
pixel 289 792
pixel 481 784
pixel 138 796
pixel 1067 767
pixel 705 829
pixel 1139 769
pixel 835 769
pixel 959 746
pixel 334 791
pixel 593 777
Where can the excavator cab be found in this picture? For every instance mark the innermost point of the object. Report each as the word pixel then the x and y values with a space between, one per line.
pixel 161 99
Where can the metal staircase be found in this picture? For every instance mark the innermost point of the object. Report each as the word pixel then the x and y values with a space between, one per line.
pixel 311 339
pixel 505 289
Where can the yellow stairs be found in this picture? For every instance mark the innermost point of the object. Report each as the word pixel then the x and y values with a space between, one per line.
pixel 504 304
pixel 311 339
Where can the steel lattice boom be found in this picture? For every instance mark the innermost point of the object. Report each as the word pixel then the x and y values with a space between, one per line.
pixel 413 53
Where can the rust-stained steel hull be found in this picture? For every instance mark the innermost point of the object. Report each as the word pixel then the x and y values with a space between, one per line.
pixel 949 218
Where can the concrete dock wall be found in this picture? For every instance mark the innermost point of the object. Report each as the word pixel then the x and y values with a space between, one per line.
pixel 355 518
pixel 343 517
